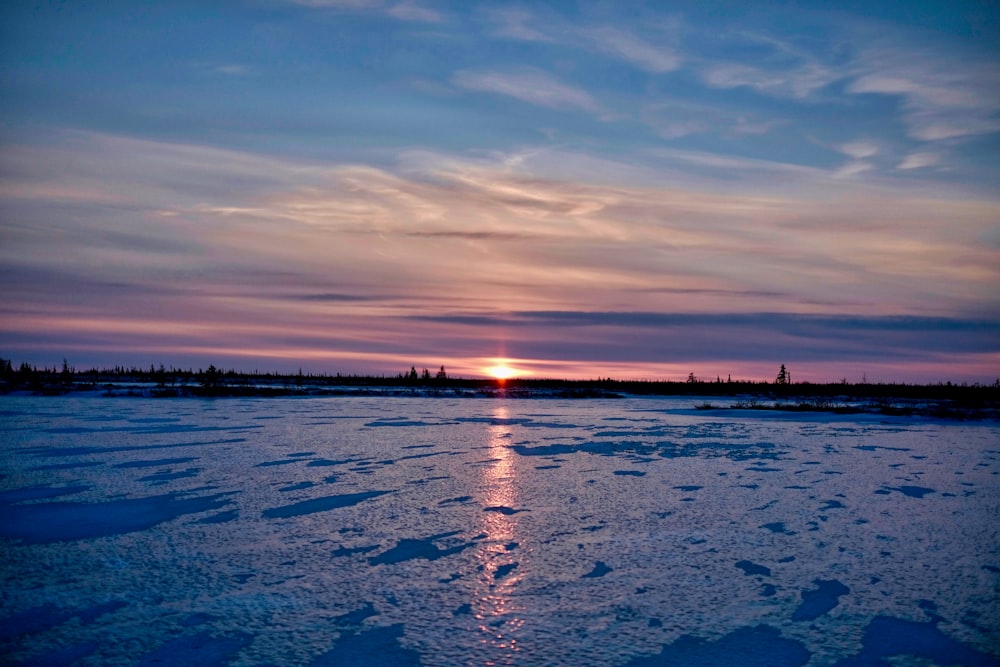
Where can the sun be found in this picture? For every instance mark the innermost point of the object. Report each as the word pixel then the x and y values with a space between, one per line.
pixel 500 372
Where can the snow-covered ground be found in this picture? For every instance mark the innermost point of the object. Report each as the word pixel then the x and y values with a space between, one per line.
pixel 440 531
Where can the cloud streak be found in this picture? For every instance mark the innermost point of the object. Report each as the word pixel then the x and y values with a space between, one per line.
pixel 633 49
pixel 944 98
pixel 799 82
pixel 533 86
pixel 618 43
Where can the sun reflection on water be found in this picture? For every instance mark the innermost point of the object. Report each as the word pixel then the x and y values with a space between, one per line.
pixel 502 558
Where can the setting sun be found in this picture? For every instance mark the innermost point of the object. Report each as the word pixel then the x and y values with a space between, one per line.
pixel 500 372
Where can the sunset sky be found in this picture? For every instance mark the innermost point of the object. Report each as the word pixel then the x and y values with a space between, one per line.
pixel 573 189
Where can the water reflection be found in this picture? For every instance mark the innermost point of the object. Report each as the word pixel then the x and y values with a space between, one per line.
pixel 502 559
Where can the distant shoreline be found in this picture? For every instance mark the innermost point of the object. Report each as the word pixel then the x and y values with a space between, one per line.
pixel 949 401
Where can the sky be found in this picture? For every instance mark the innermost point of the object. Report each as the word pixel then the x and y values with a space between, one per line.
pixel 569 189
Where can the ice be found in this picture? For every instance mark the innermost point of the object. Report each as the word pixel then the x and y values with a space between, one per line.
pixel 442 531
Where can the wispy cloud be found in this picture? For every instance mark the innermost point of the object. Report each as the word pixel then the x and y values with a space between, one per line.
pixel 231 69
pixel 341 4
pixel 617 42
pixel 411 11
pixel 730 163
pixel 627 46
pixel 852 168
pixel 859 149
pixel 332 296
pixel 945 95
pixel 533 86
pixel 407 10
pixel 519 24
pixel 919 160
pixel 799 82
pixel 673 119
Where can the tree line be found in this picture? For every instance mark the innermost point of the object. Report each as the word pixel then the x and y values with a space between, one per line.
pixel 58 379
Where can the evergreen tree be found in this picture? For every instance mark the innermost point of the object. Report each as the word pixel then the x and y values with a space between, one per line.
pixel 210 377
pixel 782 376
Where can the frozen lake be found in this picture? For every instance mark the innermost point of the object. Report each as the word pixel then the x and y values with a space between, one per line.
pixel 435 531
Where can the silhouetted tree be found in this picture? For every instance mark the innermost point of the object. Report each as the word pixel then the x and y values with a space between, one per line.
pixel 413 373
pixel 425 375
pixel 782 376
pixel 210 377
pixel 441 375
pixel 27 375
pixel 691 378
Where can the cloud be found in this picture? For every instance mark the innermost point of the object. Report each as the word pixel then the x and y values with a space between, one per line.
pixel 733 164
pixel 517 24
pixel 745 336
pixel 798 82
pixel 673 119
pixel 745 127
pixel 331 296
pixel 407 10
pixel 859 149
pixel 563 264
pixel 231 69
pixel 353 5
pixel 473 236
pixel 529 85
pixel 629 47
pixel 919 160
pixel 852 168
pixel 411 11
pixel 618 43
pixel 945 95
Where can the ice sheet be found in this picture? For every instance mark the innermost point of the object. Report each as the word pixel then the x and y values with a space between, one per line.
pixel 441 531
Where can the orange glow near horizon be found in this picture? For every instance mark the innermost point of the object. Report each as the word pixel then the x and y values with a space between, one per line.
pixel 501 372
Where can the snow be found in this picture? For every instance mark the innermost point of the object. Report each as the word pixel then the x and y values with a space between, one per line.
pixel 441 531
